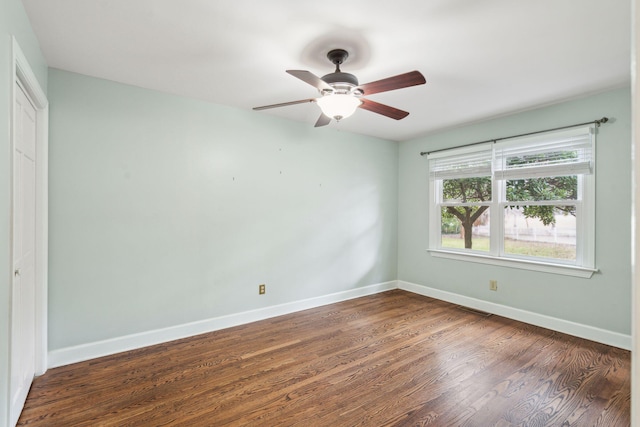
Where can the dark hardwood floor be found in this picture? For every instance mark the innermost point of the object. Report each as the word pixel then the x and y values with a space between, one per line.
pixel 391 359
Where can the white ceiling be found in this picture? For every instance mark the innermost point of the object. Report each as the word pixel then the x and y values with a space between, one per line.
pixel 481 59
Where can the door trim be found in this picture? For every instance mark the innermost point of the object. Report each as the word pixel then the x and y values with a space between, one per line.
pixel 23 74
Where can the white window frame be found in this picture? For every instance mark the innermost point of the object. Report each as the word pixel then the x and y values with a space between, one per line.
pixel 584 265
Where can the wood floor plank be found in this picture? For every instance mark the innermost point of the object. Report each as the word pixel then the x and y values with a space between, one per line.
pixel 390 359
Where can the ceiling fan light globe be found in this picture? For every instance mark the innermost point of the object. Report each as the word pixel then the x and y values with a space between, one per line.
pixel 338 106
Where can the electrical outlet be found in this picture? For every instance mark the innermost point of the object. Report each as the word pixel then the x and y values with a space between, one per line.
pixel 262 289
pixel 493 285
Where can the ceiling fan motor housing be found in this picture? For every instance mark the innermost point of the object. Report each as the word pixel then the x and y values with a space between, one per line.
pixel 340 78
pixel 339 81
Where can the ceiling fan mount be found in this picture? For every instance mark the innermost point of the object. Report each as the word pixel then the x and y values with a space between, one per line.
pixel 337 57
pixel 341 93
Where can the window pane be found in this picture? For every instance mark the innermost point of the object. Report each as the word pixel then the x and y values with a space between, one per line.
pixel 454 233
pixel 549 188
pixel 541 231
pixel 466 190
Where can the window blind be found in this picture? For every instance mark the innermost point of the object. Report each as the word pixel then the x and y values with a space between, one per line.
pixel 569 152
pixel 465 162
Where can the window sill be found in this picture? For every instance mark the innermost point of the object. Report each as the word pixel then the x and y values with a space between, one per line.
pixel 567 270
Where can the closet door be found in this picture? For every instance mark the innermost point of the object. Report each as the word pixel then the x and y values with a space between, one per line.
pixel 24 223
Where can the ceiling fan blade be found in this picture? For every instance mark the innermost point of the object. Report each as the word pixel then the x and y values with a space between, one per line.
pixel 310 78
pixel 385 110
pixel 323 120
pixel 284 104
pixel 400 81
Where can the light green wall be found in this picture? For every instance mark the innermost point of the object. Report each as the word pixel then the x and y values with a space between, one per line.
pixel 13 22
pixel 602 301
pixel 166 210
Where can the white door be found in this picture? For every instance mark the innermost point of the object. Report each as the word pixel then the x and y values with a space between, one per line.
pixel 24 222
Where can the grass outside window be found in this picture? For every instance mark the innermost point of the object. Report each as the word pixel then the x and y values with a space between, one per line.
pixel 535 249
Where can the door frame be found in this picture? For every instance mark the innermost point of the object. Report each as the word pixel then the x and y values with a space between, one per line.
pixel 23 74
pixel 635 217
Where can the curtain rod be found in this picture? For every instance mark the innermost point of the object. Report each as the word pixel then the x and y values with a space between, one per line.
pixel 596 122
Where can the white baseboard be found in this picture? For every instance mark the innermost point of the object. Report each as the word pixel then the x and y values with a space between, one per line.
pixel 68 355
pixel 603 336
pixel 79 353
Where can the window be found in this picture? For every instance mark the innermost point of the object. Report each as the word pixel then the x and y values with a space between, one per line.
pixel 525 202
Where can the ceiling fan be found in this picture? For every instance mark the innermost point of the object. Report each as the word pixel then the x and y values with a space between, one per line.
pixel 341 94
